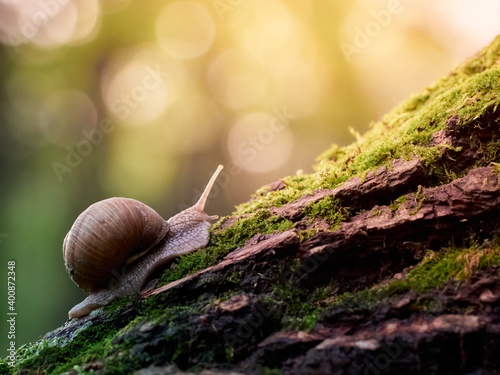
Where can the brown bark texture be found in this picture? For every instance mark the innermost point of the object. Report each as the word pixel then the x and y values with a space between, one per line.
pixel 405 281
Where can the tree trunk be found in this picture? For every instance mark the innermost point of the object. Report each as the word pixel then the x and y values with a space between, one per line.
pixel 384 261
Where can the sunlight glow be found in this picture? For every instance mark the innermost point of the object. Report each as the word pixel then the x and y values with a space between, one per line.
pixel 237 80
pixel 259 142
pixel 135 90
pixel 48 24
pixel 185 29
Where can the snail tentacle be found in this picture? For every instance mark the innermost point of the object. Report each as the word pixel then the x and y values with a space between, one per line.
pixel 183 233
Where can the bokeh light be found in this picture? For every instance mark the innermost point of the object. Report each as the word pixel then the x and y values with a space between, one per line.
pixel 274 35
pixel 185 29
pixel 49 23
pixel 260 142
pixel 148 165
pixel 135 90
pixel 88 21
pixel 185 132
pixel 297 86
pixel 237 80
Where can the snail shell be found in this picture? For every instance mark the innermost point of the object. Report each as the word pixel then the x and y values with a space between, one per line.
pixel 106 237
pixel 110 250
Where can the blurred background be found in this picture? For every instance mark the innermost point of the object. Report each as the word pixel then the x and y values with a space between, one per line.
pixel 144 99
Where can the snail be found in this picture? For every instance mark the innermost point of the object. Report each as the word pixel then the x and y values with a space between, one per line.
pixel 117 243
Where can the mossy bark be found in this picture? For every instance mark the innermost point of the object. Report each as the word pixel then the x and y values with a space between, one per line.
pixel 384 261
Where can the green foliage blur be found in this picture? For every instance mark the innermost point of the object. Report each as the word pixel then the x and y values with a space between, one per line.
pixel 145 98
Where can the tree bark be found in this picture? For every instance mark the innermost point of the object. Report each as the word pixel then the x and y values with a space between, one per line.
pixel 405 279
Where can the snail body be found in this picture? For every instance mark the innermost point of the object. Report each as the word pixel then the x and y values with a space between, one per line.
pixel 116 244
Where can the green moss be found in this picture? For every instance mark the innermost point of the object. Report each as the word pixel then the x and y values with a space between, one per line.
pixel 224 241
pixel 296 186
pixel 54 356
pixel 450 264
pixel 269 371
pixel 453 263
pixel 456 102
pixel 496 167
pixel 404 133
pixel 299 308
pixel 178 336
pixel 294 265
pixel 469 92
pixel 5 368
pixel 331 154
pixel 93 344
pixel 236 277
pixel 492 151
pixel 116 306
pixel 395 205
pixel 420 198
pixel 328 209
pixel 306 234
